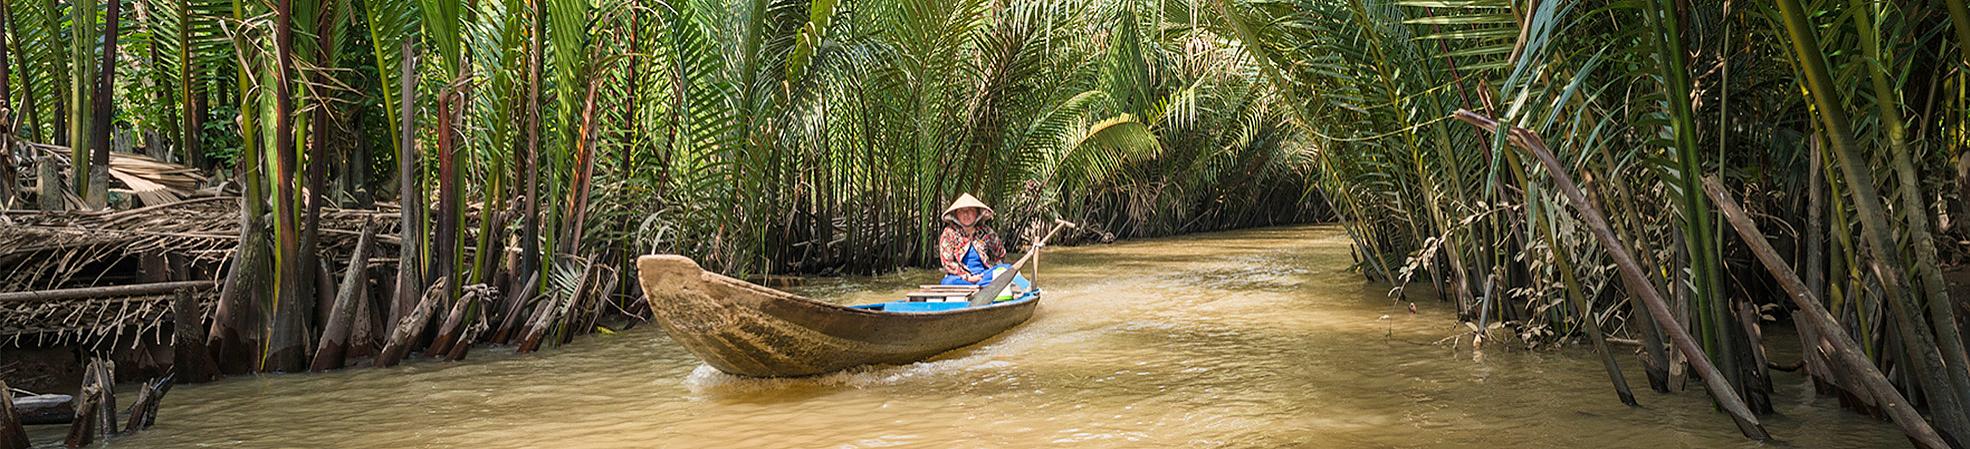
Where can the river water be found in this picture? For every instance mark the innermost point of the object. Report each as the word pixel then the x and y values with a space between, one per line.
pixel 1249 339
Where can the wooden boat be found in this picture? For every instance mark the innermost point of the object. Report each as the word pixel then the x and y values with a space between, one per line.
pixel 749 330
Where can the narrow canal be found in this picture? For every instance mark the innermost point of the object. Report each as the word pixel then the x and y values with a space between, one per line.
pixel 1250 339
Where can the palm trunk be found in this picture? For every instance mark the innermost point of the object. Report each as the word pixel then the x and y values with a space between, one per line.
pixel 82 50
pixel 161 138
pixel 530 258
pixel 8 177
pixel 411 199
pixel 317 129
pixel 1959 16
pixel 192 101
pixel 492 208
pixel 406 333
pixel 1815 262
pixel 444 261
pixel 97 193
pixel 12 434
pixel 285 351
pixel 191 361
pixel 335 335
pixel 235 335
pixel 583 177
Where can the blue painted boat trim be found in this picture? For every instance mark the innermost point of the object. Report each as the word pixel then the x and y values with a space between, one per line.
pixel 929 307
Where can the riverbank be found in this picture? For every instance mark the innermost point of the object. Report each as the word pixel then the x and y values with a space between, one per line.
pixel 1256 338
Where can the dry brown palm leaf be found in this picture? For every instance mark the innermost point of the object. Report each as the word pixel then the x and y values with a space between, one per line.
pixel 153 181
pixel 150 180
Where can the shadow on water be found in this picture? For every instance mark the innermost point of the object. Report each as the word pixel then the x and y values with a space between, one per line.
pixel 707 383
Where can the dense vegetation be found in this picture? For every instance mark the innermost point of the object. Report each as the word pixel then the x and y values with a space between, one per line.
pixel 758 136
pixel 771 136
pixel 1837 122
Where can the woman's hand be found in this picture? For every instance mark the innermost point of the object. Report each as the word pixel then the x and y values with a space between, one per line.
pixel 973 278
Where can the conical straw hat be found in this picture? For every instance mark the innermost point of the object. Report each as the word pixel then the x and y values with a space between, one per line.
pixel 964 201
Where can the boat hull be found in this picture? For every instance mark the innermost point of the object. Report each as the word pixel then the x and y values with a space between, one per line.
pixel 749 330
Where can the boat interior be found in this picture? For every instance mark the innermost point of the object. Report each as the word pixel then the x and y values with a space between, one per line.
pixel 917 304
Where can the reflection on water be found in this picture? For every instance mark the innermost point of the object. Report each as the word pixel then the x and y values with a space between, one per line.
pixel 1247 339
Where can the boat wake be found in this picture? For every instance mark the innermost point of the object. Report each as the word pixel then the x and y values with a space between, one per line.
pixel 710 383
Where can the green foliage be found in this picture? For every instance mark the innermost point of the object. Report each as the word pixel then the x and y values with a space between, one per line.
pixel 830 135
pixel 755 135
pixel 1640 100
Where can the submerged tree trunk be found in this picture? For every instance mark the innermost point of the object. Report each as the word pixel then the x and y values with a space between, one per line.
pixel 12 435
pixel 95 410
pixel 82 429
pixel 143 410
pixel 1752 359
pixel 551 311
pixel 455 334
pixel 363 330
pixel 515 310
pixel 410 328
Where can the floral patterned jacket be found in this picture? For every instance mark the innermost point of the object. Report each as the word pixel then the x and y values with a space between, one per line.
pixel 953 242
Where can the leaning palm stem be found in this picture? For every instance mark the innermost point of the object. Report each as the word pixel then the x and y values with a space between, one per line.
pixel 1631 273
pixel 1574 295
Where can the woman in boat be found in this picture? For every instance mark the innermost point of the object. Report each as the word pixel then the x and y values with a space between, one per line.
pixel 970 251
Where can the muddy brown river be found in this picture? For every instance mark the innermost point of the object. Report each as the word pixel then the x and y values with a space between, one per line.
pixel 1249 339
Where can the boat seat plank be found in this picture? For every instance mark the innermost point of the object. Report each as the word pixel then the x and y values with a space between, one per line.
pixel 921 296
pixel 973 289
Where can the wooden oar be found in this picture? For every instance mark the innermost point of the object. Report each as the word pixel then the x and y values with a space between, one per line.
pixel 985 295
